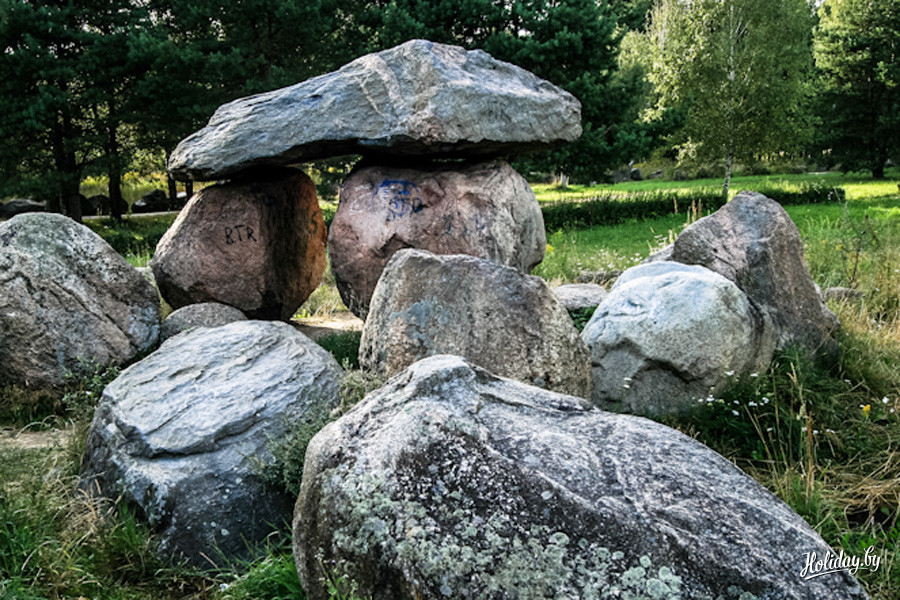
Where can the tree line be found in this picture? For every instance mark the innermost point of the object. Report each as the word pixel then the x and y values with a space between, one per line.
pixel 93 87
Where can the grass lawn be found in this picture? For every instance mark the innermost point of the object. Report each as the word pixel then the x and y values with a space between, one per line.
pixel 824 438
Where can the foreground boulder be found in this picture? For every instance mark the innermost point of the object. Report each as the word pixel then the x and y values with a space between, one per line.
pixel 67 297
pixel 257 245
pixel 181 435
pixel 753 242
pixel 484 209
pixel 494 316
pixel 417 99
pixel 205 314
pixel 450 482
pixel 669 334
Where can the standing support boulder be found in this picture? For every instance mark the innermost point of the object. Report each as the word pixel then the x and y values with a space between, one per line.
pixel 492 315
pixel 183 435
pixel 753 242
pixel 450 482
pixel 67 297
pixel 255 244
pixel 484 209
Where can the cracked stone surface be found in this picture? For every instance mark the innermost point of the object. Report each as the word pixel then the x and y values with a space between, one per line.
pixel 417 99
pixel 492 315
pixel 483 209
pixel 67 297
pixel 181 435
pixel 450 482
pixel 670 334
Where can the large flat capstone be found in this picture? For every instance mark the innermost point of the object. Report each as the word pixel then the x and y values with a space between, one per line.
pixel 417 99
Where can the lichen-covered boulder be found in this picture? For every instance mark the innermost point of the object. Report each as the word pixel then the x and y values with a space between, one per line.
pixel 493 315
pixel 417 99
pixel 669 334
pixel 482 209
pixel 67 297
pixel 449 482
pixel 205 314
pixel 182 435
pixel 754 243
pixel 257 244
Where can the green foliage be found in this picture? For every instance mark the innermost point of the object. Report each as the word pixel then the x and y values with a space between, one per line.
pixel 740 68
pixel 611 209
pixel 133 236
pixel 344 347
pixel 84 387
pixel 857 47
pixel 271 577
pixel 581 316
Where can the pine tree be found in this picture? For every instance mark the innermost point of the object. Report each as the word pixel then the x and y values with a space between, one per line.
pixel 858 54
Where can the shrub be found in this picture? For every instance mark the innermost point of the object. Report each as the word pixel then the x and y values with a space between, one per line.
pixel 612 209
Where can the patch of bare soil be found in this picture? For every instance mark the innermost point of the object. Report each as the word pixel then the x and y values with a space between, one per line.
pixel 28 439
pixel 319 327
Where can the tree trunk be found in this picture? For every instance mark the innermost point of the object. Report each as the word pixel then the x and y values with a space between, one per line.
pixel 116 202
pixel 878 171
pixel 173 188
pixel 729 160
pixel 66 166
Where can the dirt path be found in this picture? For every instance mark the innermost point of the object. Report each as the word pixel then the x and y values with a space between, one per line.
pixel 28 439
pixel 319 327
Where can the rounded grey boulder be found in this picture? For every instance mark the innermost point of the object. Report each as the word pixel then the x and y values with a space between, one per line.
pixel 181 435
pixel 205 314
pixel 67 297
pixel 492 315
pixel 450 482
pixel 669 334
pixel 578 296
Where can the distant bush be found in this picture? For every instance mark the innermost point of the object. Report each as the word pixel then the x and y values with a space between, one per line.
pixel 613 209
pixel 133 236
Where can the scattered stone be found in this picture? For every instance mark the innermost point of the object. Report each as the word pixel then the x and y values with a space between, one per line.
pixel 181 435
pixel 635 175
pixel 450 482
pixel 661 255
pixel 417 99
pixel 842 294
pixel 19 206
pixel 598 277
pixel 68 297
pixel 205 314
pixel 152 201
pixel 669 335
pixel 753 242
pixel 257 245
pixel 484 209
pixel 493 315
pixel 578 296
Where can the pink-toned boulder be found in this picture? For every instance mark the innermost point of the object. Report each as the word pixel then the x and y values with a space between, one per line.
pixel 486 210
pixel 257 245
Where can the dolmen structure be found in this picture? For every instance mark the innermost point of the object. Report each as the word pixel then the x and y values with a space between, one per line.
pixel 433 123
